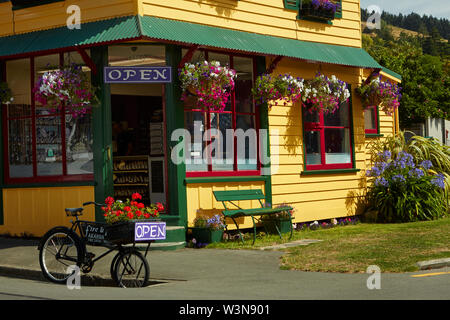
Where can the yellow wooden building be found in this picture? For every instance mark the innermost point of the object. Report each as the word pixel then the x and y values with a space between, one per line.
pixel 52 160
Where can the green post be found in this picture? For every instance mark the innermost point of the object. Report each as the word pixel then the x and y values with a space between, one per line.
pixel 175 120
pixel 264 124
pixel 2 78
pixel 102 130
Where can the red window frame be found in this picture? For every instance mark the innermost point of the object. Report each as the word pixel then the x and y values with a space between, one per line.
pixel 375 115
pixel 234 113
pixel 65 177
pixel 320 127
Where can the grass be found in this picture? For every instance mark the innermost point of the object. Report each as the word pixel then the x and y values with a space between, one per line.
pixel 352 248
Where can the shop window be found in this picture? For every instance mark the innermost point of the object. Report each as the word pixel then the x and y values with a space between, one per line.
pixel 44 144
pixel 371 122
pixel 224 143
pixel 327 139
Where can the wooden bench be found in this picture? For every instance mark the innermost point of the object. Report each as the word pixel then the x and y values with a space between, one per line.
pixel 256 214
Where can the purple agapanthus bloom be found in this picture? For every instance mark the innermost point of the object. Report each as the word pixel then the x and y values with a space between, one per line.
pixel 381 182
pixel 398 177
pixel 439 181
pixel 416 172
pixel 426 164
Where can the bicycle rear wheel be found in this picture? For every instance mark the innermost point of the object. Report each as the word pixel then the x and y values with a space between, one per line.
pixel 60 248
pixel 131 270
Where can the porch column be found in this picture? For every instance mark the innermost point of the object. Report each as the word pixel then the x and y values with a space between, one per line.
pixel 102 131
pixel 174 117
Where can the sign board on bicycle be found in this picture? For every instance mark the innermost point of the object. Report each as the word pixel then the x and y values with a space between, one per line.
pixel 145 231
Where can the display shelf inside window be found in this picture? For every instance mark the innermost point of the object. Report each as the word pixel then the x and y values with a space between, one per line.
pixel 48 145
pixel 131 175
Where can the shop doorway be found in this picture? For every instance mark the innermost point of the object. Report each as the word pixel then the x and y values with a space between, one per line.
pixel 138 135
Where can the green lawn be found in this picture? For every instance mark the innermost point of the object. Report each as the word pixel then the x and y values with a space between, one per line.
pixel 352 248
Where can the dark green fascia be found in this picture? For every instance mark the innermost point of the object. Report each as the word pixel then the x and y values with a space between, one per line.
pixel 102 130
pixel 28 4
pixel 334 171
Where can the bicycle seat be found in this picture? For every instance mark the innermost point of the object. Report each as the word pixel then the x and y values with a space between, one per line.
pixel 74 211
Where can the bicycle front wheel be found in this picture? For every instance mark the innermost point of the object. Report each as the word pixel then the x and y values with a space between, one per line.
pixel 60 249
pixel 131 270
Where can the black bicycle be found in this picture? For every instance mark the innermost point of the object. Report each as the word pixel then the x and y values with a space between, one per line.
pixel 62 247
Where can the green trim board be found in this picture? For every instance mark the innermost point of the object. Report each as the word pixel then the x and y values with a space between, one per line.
pixel 174 119
pixel 374 135
pixel 182 33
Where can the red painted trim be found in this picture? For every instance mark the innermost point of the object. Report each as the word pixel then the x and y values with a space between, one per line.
pixel 68 178
pixel 33 119
pixel 87 60
pixel 223 173
pixel 188 56
pixel 375 114
pixel 274 64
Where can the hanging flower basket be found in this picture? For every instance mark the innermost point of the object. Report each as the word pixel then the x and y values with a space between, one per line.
pixel 319 9
pixel 209 82
pixel 5 94
pixel 69 86
pixel 282 87
pixel 324 94
pixel 380 93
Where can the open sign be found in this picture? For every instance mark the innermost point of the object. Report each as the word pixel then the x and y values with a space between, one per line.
pixel 137 74
pixel 144 231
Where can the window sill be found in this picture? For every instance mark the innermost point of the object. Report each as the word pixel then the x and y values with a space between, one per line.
pixel 224 179
pixel 331 171
pixel 374 135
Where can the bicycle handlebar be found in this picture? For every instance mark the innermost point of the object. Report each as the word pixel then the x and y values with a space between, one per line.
pixel 94 203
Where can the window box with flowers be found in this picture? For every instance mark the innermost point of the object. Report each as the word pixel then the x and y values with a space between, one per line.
pixel 208 230
pixel 120 217
pixel 322 10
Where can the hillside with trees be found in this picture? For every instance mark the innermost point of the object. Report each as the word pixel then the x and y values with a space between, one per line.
pixel 421 57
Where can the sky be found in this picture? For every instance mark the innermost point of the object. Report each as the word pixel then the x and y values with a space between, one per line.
pixel 436 8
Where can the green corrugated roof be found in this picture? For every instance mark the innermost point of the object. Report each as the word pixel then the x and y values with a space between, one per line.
pixel 392 73
pixel 132 27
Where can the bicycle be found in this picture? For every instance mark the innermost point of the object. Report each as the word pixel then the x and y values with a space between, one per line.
pixel 61 247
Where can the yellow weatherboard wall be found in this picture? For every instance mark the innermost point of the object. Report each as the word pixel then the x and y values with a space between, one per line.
pixel 201 201
pixel 322 196
pixel 35 210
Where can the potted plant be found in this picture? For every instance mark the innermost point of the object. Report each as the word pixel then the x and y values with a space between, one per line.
pixel 281 220
pixel 5 94
pixel 375 92
pixel 282 87
pixel 208 230
pixel 324 94
pixel 120 216
pixel 319 9
pixel 210 82
pixel 69 86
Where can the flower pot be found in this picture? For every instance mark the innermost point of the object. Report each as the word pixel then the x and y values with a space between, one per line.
pixel 284 225
pixel 205 235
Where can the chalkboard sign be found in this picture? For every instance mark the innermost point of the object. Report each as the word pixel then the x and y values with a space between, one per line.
pixel 95 234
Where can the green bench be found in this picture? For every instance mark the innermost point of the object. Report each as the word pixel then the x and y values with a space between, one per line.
pixel 231 196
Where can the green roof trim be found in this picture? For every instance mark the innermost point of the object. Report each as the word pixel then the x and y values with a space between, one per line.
pixel 391 73
pixel 134 27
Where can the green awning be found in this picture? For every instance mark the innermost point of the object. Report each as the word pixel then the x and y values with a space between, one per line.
pixel 391 73
pixel 138 27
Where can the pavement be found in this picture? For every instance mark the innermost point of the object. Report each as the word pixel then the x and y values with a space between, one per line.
pixel 231 274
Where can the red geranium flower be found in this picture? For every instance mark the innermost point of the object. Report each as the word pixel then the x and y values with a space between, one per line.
pixel 160 206
pixel 127 209
pixel 109 201
pixel 130 215
pixel 136 196
pixel 140 205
